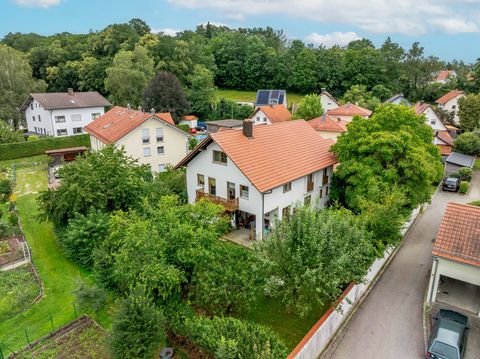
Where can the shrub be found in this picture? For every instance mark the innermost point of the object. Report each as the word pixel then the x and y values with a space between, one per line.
pixel 13 218
pixel 5 229
pixel 475 203
pixel 465 173
pixel 33 138
pixel 137 328
pixel 455 175
pixel 6 188
pixel 90 298
pixel 238 338
pixel 468 143
pixel 463 187
pixel 185 128
pixel 9 151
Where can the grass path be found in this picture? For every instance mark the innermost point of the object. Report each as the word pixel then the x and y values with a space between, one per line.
pixel 58 275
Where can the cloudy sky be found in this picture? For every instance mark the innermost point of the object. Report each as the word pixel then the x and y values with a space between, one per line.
pixel 446 28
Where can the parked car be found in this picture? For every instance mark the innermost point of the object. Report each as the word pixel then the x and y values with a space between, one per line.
pixel 451 184
pixel 449 336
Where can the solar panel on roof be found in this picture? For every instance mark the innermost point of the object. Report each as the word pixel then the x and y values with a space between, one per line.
pixel 281 98
pixel 274 94
pixel 262 97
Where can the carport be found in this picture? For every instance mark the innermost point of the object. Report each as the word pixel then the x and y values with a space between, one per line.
pixel 455 275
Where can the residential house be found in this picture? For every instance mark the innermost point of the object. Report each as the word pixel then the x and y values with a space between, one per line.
pixel 455 275
pixel 398 99
pixel 266 115
pixel 328 127
pixel 456 160
pixel 215 126
pixel 441 138
pixel 348 111
pixel 449 102
pixel 271 97
pixel 190 120
pixel 444 76
pixel 260 173
pixel 152 139
pixel 328 101
pixel 62 113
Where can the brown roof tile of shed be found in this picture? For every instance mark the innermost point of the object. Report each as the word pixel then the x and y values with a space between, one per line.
pixel 458 238
pixel 120 121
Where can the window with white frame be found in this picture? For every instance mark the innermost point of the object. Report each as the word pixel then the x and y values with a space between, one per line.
pixel 76 118
pixel 62 132
pixel 287 187
pixel 160 150
pixel 59 119
pixel 159 134
pixel 433 121
pixel 244 191
pixel 161 167
pixel 264 119
pixel 219 157
pixel 145 136
pixel 95 115
pixel 77 130
pixel 146 152
pixel 200 180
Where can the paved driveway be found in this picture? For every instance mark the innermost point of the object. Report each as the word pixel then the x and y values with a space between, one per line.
pixel 388 324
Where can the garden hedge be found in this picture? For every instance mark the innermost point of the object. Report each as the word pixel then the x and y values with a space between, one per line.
pixel 463 187
pixel 10 151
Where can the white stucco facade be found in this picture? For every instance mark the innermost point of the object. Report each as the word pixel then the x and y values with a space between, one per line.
pixel 268 206
pixel 327 102
pixel 433 120
pixel 156 153
pixel 452 106
pixel 59 122
pixel 261 118
pixel 452 269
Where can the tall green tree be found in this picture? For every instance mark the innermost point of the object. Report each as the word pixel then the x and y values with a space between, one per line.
pixel 128 76
pixel 468 143
pixel 164 93
pixel 309 108
pixel 16 82
pixel 392 149
pixel 311 255
pixel 358 94
pixel 202 91
pixel 469 112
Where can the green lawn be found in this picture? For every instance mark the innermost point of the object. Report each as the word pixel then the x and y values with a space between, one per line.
pixel 58 274
pixel 18 289
pixel 249 96
pixel 291 327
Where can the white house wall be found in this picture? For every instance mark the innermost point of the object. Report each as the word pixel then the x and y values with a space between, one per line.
pixel 175 143
pixel 260 118
pixel 432 116
pixel 44 125
pixel 452 106
pixel 327 103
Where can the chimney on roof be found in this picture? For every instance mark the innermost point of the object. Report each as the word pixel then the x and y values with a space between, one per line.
pixel 70 91
pixel 152 111
pixel 422 102
pixel 139 108
pixel 129 107
pixel 248 128
pixel 322 90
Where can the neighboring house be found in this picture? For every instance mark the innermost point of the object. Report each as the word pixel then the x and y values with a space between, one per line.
pixel 328 127
pixel 455 275
pixel 260 173
pixel 328 101
pixel 266 115
pixel 456 160
pixel 449 102
pixel 444 142
pixel 190 120
pixel 432 119
pixel 152 139
pixel 398 99
pixel 271 97
pixel 348 111
pixel 62 113
pixel 215 126
pixel 444 75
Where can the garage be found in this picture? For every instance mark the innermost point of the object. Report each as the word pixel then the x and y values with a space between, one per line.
pixel 455 275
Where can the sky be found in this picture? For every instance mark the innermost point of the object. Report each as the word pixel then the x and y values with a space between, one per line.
pixel 448 29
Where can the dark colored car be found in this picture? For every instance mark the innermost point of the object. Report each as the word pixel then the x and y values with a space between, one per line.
pixel 449 336
pixel 451 184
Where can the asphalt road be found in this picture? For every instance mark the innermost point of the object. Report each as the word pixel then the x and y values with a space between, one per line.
pixel 388 324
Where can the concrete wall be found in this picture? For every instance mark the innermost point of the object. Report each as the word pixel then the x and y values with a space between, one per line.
pixel 320 335
pixel 175 143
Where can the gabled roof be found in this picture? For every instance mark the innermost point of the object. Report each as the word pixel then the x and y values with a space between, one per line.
pixel 326 123
pixel 329 95
pixel 270 97
pixel 421 107
pixel 396 97
pixel 63 100
pixel 460 159
pixel 445 74
pixel 458 238
pixel 349 109
pixel 449 96
pixel 275 113
pixel 120 121
pixel 230 123
pixel 275 155
pixel 445 137
pixel 189 118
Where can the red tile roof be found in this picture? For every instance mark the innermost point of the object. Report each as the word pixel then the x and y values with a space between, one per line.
pixel 445 150
pixel 275 113
pixel 449 96
pixel 458 238
pixel 326 123
pixel 349 109
pixel 189 118
pixel 275 155
pixel 445 137
pixel 421 107
pixel 445 74
pixel 120 121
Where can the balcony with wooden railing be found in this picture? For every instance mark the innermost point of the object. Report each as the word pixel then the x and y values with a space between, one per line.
pixel 230 205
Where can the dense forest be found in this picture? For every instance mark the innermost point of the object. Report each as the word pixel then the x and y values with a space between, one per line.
pixel 120 61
